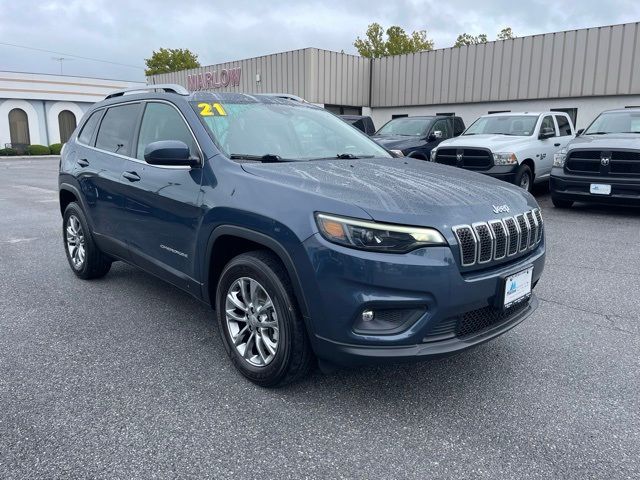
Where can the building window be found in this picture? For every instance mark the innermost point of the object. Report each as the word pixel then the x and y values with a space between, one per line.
pixel 446 114
pixel 343 109
pixel 66 124
pixel 19 127
pixel 572 112
pixel 399 115
pixel 491 112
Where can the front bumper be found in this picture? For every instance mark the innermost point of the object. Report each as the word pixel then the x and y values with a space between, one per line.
pixel 346 281
pixel 624 191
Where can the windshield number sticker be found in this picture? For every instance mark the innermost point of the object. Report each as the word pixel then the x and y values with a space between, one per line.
pixel 211 109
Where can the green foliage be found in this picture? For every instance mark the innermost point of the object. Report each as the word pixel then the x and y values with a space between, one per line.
pixel 38 150
pixel 7 152
pixel 55 148
pixel 506 34
pixel 466 39
pixel 397 42
pixel 168 60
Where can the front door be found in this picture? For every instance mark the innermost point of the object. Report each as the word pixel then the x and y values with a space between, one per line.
pixel 547 148
pixel 161 207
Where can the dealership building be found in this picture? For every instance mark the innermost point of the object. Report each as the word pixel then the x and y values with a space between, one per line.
pixel 41 109
pixel 581 72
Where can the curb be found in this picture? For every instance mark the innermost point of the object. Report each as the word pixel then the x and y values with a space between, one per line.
pixel 30 157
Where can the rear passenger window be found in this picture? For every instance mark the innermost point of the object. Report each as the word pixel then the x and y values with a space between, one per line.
pixel 458 126
pixel 563 125
pixel 116 130
pixel 89 127
pixel 163 122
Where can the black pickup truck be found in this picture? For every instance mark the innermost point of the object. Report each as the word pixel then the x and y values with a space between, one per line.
pixel 417 136
pixel 602 164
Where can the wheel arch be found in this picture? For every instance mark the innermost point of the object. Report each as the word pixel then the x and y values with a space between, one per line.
pixel 239 240
pixel 531 164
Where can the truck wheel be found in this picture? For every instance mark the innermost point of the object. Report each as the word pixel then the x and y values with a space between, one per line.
pixel 84 256
pixel 524 178
pixel 259 320
pixel 559 203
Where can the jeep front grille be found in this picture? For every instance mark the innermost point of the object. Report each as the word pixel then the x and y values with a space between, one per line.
pixel 483 242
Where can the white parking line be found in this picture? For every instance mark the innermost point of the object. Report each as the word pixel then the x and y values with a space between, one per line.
pixel 20 240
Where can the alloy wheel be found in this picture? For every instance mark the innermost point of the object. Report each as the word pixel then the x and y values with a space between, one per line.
pixel 252 321
pixel 525 182
pixel 75 242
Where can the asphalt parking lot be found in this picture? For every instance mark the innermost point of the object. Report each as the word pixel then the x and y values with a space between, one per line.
pixel 125 377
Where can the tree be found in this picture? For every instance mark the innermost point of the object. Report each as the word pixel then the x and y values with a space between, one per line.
pixel 466 39
pixel 506 34
pixel 396 43
pixel 168 60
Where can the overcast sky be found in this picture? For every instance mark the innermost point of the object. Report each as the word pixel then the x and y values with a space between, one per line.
pixel 222 30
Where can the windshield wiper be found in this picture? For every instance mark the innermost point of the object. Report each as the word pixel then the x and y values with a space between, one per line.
pixel 267 158
pixel 350 156
pixel 597 133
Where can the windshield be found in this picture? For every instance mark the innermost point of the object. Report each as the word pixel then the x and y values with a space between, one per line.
pixel 615 122
pixel 406 126
pixel 282 130
pixel 517 125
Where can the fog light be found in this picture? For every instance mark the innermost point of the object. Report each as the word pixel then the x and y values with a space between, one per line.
pixel 367 315
pixel 386 321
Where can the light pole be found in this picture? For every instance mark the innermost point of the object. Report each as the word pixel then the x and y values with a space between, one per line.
pixel 60 60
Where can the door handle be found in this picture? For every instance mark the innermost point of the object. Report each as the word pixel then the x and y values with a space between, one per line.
pixel 131 176
pixel 556 144
pixel 83 162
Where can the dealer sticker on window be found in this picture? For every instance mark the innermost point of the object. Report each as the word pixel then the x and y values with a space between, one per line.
pixel 517 287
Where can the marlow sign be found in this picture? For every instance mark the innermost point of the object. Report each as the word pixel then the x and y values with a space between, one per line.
pixel 214 79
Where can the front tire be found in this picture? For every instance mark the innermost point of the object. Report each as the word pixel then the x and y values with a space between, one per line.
pixel 85 258
pixel 259 320
pixel 524 178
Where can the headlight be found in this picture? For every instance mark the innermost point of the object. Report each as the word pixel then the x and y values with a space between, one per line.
pixel 433 154
pixel 374 236
pixel 559 158
pixel 397 153
pixel 505 158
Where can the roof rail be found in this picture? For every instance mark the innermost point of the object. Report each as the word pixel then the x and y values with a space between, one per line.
pixel 287 96
pixel 164 87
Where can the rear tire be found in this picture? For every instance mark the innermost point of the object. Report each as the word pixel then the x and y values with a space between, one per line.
pixel 524 178
pixel 84 257
pixel 559 203
pixel 259 320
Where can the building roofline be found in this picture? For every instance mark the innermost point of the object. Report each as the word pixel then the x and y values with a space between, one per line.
pixel 72 76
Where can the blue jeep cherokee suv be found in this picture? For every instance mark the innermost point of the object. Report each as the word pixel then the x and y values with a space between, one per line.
pixel 308 239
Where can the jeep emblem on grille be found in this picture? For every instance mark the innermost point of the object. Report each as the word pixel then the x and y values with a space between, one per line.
pixel 605 161
pixel 500 208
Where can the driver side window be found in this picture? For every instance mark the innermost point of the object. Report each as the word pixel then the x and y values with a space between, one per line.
pixel 163 122
pixel 547 122
pixel 443 126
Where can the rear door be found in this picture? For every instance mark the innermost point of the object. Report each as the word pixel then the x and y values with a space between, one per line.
pixel 161 207
pixel 100 161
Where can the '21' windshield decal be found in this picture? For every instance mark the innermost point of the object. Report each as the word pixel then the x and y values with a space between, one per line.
pixel 211 109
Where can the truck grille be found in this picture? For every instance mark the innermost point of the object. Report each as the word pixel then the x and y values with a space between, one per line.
pixel 469 158
pixel 604 162
pixel 483 242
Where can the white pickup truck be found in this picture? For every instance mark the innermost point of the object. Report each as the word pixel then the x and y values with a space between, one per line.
pixel 515 147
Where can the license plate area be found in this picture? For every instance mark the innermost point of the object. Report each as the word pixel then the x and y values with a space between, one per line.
pixel 600 189
pixel 517 288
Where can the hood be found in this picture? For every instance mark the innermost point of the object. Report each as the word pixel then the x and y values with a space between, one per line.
pixel 401 190
pixel 495 142
pixel 625 141
pixel 397 142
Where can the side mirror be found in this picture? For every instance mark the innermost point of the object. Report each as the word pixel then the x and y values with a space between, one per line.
pixel 579 132
pixel 435 135
pixel 169 153
pixel 546 132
